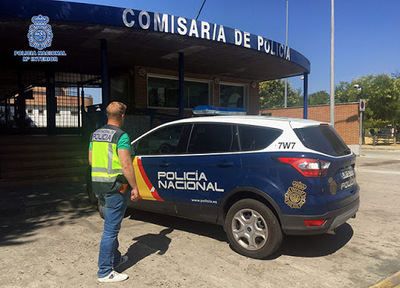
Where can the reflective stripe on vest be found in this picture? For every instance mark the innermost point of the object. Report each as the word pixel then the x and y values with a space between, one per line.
pixel 105 162
pixel 104 179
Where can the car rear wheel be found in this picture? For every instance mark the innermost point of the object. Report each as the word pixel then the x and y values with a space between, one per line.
pixel 253 229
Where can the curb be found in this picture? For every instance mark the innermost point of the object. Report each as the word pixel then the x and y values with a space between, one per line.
pixel 372 150
pixel 380 148
pixel 390 282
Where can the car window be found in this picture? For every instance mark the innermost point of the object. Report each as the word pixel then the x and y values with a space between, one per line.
pixel 323 138
pixel 166 140
pixel 213 138
pixel 256 138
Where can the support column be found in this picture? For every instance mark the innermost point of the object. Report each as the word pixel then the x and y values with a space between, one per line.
pixel 20 103
pixel 78 106
pixel 181 99
pixel 6 107
pixel 305 96
pixel 51 102
pixel 84 130
pixel 82 95
pixel 105 77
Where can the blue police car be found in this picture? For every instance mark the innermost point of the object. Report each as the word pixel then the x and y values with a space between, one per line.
pixel 259 177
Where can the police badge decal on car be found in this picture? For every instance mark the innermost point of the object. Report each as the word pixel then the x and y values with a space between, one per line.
pixel 295 197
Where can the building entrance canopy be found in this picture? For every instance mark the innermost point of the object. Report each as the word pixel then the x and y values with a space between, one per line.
pixel 134 38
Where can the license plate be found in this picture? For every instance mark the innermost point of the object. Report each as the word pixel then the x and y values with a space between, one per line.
pixel 348 173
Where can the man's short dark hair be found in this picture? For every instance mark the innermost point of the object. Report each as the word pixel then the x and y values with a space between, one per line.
pixel 116 109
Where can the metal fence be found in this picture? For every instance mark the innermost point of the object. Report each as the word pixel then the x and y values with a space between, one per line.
pixel 28 108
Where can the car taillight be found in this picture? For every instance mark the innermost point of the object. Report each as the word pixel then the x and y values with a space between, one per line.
pixel 314 223
pixel 308 167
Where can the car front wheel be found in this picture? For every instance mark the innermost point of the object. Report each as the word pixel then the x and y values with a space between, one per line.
pixel 253 229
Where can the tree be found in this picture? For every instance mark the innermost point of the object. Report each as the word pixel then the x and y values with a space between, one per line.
pixel 272 95
pixel 318 98
pixel 382 93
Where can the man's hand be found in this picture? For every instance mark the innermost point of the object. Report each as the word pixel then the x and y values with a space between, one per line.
pixel 134 194
pixel 127 169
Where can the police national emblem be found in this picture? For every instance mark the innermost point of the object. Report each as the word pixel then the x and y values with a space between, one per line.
pixel 295 196
pixel 332 186
pixel 40 33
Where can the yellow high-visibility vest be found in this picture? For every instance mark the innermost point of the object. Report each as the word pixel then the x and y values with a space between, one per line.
pixel 106 166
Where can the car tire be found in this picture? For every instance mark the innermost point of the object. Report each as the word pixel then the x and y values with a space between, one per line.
pixel 100 209
pixel 253 230
pixel 89 189
pixel 92 197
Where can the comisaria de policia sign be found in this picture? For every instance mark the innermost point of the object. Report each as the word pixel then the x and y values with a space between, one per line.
pixel 165 23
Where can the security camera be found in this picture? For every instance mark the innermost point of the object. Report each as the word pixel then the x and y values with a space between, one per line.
pixel 357 86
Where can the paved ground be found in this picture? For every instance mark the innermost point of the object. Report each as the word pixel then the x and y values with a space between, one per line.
pixel 51 240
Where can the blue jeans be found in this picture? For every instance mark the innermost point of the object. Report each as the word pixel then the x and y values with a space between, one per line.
pixel 114 209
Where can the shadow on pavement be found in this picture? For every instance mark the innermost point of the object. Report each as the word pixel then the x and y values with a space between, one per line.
pixel 25 210
pixel 315 245
pixel 208 230
pixel 298 246
pixel 147 245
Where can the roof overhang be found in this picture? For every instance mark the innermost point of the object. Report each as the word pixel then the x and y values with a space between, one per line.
pixel 134 39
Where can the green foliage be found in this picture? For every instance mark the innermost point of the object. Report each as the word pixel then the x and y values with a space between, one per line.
pixel 272 95
pixel 318 98
pixel 382 93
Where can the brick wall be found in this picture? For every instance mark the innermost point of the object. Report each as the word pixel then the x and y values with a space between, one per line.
pixel 346 118
pixel 39 99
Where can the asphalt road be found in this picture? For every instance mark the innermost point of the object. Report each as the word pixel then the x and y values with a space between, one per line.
pixel 52 241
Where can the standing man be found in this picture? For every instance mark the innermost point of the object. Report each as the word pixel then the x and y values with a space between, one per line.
pixel 112 171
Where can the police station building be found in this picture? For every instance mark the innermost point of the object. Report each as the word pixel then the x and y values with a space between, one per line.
pixel 160 65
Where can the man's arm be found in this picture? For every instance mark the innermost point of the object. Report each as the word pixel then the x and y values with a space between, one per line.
pixel 90 153
pixel 127 168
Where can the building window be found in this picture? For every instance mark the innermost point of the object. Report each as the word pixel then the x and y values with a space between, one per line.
pixel 232 95
pixel 164 92
pixel 120 87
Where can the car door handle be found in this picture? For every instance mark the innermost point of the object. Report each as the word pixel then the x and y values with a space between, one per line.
pixel 164 164
pixel 225 164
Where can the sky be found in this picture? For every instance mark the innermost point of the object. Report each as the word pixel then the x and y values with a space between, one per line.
pixel 366 31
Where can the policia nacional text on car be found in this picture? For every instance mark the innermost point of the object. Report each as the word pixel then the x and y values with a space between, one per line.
pixel 112 171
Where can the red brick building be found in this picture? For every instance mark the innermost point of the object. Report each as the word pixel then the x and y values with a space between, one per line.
pixel 346 118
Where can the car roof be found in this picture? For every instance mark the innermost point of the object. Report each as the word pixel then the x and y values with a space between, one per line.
pixel 266 121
